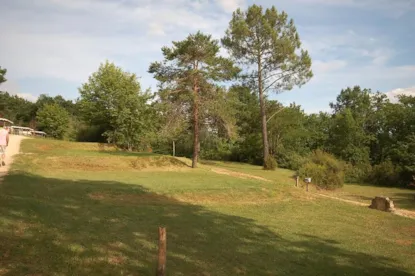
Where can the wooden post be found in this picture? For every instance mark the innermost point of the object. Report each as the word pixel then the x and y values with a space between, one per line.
pixel 296 181
pixel 161 265
pixel 307 186
pixel 174 148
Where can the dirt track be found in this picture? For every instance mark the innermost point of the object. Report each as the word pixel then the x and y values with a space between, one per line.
pixel 12 150
pixel 399 212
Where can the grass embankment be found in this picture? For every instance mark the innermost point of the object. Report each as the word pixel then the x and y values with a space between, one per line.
pixel 61 217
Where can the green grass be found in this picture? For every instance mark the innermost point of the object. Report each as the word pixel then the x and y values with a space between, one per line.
pixel 99 222
pixel 402 198
pixel 280 175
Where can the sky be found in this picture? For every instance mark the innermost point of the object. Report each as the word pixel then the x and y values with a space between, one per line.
pixel 52 46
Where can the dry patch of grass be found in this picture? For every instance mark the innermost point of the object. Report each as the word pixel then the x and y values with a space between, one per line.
pixel 239 197
pixel 132 199
pixel 41 146
pixel 404 242
pixel 107 163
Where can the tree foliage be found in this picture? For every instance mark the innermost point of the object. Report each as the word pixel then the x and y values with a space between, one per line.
pixel 324 169
pixel 269 44
pixel 112 99
pixel 3 72
pixel 187 75
pixel 16 109
pixel 364 138
pixel 54 120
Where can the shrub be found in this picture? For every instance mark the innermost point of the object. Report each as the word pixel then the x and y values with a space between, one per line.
pixel 216 149
pixel 90 133
pixel 270 163
pixel 386 174
pixel 358 173
pixel 291 160
pixel 324 169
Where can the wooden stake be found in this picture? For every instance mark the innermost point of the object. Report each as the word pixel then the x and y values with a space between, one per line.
pixel 161 266
pixel 174 148
pixel 296 181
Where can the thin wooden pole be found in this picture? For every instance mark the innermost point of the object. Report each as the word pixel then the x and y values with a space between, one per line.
pixel 161 266
pixel 296 181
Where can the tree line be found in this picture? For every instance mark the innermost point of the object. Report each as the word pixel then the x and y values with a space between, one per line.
pixel 194 114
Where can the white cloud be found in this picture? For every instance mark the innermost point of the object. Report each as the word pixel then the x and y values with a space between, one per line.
pixel 394 8
pixel 156 29
pixel 392 95
pixel 321 67
pixel 69 39
pixel 351 44
pixel 27 96
pixel 9 86
pixel 231 5
pixel 12 88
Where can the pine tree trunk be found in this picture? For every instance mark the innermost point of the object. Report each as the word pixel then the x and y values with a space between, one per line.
pixel 195 127
pixel 263 114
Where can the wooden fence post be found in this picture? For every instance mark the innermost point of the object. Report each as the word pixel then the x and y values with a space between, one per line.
pixel 161 265
pixel 296 181
pixel 174 148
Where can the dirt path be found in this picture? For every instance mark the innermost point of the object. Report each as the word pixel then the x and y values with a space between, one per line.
pixel 12 150
pixel 399 212
pixel 238 174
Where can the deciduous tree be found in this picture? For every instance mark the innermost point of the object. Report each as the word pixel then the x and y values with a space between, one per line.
pixel 54 120
pixel 112 99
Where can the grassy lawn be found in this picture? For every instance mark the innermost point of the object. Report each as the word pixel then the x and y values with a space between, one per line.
pixel 80 209
pixel 402 198
pixel 280 176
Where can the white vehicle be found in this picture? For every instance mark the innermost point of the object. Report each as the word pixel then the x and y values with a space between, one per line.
pixel 27 131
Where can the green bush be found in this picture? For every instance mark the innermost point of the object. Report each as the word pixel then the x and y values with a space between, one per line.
pixel 386 174
pixel 358 173
pixel 324 169
pixel 291 160
pixel 270 163
pixel 216 149
pixel 90 133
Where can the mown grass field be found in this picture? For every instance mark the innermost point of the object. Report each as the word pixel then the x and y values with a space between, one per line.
pixel 82 209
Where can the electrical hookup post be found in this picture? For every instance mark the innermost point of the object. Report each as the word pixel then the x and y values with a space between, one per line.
pixel 161 260
pixel 307 180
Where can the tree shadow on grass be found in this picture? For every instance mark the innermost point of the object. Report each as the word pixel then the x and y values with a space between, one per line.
pixel 60 227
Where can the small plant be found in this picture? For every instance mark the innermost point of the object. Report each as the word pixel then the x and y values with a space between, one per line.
pixel 324 169
pixel 270 163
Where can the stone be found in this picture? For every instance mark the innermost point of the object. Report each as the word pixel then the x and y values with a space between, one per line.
pixel 382 203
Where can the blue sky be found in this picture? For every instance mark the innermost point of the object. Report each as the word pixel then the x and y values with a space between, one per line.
pixel 52 46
